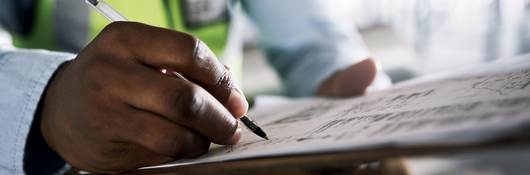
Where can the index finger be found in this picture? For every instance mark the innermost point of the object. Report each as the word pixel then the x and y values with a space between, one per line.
pixel 182 53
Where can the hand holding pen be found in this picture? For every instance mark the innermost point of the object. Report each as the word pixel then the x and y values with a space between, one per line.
pixel 112 15
pixel 110 109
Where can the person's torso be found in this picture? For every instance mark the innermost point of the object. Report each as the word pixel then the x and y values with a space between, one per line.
pixel 69 25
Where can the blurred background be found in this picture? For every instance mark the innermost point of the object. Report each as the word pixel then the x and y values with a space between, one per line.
pixel 412 38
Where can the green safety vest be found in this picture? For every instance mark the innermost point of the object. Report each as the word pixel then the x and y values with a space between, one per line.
pixel 161 13
pixel 152 12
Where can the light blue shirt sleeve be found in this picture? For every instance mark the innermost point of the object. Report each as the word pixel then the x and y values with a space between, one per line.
pixel 24 75
pixel 306 40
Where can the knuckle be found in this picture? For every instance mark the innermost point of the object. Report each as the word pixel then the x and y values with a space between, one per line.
pixel 190 102
pixel 188 38
pixel 203 56
pixel 197 105
pixel 225 80
pixel 110 33
pixel 187 50
pixel 118 32
pixel 113 28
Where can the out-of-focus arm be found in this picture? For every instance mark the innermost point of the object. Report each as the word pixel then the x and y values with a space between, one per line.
pixel 306 41
pixel 24 75
pixel 5 39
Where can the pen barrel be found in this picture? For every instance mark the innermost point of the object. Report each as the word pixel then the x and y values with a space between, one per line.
pixel 249 123
pixel 106 10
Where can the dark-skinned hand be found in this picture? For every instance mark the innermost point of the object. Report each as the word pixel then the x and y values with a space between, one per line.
pixel 111 109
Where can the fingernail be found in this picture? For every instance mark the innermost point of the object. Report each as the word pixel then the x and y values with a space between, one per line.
pixel 237 103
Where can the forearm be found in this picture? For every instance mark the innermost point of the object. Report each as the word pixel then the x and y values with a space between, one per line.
pixel 306 41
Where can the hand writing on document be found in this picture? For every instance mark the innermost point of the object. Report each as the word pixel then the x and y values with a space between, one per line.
pixel 111 110
pixel 349 82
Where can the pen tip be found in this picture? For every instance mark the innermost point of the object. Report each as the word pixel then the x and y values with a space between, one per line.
pixel 266 138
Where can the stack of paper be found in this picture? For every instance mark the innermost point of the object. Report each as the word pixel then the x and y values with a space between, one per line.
pixel 480 103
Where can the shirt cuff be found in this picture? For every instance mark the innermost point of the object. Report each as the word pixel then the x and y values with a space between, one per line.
pixel 305 69
pixel 24 75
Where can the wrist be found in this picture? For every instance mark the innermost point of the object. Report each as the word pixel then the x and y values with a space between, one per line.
pixel 37 149
pixel 44 104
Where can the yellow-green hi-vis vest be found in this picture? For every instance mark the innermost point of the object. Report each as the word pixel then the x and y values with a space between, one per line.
pixel 70 24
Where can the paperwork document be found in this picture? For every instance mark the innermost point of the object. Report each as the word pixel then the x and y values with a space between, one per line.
pixel 481 103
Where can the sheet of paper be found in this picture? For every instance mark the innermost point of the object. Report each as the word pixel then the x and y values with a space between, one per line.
pixel 470 105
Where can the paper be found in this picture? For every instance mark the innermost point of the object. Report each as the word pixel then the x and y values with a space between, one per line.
pixel 465 106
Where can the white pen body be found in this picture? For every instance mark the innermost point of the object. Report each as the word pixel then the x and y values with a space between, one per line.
pixel 106 10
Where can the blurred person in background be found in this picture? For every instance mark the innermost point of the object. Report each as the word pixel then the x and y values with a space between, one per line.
pixel 110 109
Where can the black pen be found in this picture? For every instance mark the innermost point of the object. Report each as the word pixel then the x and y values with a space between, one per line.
pixel 112 15
pixel 253 127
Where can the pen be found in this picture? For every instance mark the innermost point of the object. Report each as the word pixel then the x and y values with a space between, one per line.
pixel 112 15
